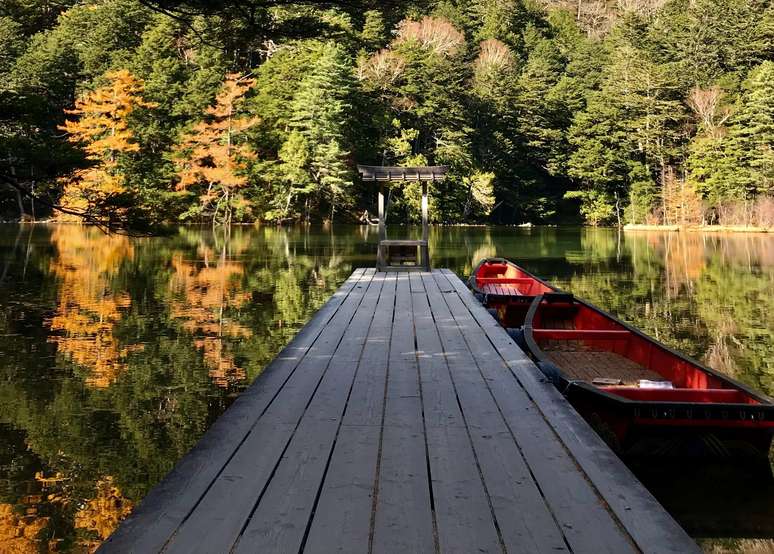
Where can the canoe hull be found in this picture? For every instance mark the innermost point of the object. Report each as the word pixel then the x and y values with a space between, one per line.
pixel 725 419
pixel 643 429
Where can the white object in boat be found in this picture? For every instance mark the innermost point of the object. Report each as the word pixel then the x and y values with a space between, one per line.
pixel 648 384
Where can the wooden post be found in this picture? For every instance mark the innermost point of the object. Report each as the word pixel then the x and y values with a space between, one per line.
pixel 382 229
pixel 425 250
pixel 424 211
pixel 380 255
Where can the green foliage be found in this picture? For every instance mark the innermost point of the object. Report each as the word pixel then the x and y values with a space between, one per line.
pixel 320 111
pixel 374 33
pixel 751 135
pixel 546 100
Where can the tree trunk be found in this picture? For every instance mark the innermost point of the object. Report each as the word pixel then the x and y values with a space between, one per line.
pixel 664 196
pixel 19 199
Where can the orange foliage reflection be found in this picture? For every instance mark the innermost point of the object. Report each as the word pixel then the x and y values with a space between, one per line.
pixel 684 258
pixel 686 255
pixel 207 290
pixel 19 532
pixel 87 309
pixel 104 512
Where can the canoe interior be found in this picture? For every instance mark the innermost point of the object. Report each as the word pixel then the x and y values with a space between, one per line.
pixel 587 345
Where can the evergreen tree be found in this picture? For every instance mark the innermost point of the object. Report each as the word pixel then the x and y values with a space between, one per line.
pixel 11 40
pixel 294 175
pixel 374 33
pixel 626 138
pixel 751 135
pixel 710 169
pixel 545 97
pixel 539 126
pixel 320 111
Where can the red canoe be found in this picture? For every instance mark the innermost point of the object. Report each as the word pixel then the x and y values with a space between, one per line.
pixel 634 390
pixel 506 289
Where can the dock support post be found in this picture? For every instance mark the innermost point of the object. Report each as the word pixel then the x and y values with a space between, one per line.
pixel 424 249
pixel 380 254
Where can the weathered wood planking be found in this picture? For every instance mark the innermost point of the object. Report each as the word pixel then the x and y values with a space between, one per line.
pixel 402 418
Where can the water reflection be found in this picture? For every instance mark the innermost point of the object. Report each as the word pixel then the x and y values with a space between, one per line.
pixel 88 308
pixel 116 354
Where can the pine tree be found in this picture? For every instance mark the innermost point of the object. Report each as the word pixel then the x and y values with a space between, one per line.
pixel 294 175
pixel 321 115
pixel 626 138
pixel 710 169
pixel 212 159
pixel 751 136
pixel 538 124
pixel 102 128
pixel 374 33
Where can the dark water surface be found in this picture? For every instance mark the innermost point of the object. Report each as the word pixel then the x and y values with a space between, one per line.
pixel 117 353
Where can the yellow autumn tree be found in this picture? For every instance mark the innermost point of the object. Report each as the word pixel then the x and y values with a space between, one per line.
pixel 100 126
pixel 211 159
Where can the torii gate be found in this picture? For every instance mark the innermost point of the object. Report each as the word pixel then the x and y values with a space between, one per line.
pixel 401 255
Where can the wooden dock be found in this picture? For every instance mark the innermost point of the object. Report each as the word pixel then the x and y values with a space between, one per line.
pixel 400 419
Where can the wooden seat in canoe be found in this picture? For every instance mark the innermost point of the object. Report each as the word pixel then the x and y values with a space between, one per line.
pixel 501 289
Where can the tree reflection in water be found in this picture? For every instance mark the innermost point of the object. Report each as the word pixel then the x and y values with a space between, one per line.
pixel 116 354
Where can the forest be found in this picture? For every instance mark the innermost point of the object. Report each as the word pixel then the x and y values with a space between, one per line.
pixel 139 113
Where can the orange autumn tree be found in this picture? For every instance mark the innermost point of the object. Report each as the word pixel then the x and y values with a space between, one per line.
pixel 101 128
pixel 211 159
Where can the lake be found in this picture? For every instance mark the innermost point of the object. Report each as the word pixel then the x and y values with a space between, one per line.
pixel 117 353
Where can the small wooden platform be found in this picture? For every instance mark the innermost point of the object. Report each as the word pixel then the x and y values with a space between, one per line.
pixel 402 418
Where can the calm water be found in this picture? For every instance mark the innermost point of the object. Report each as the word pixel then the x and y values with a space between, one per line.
pixel 117 353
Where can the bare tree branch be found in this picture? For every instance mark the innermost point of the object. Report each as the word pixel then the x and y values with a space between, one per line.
pixel 105 223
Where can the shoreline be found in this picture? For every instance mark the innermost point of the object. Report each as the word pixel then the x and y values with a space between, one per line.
pixel 699 228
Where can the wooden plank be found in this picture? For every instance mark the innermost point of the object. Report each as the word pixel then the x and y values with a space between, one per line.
pixel 165 507
pixel 403 521
pixel 439 398
pixel 647 523
pixel 216 521
pixel 524 520
pixel 415 279
pixel 298 477
pixel 342 521
pixel 464 519
pixel 366 403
